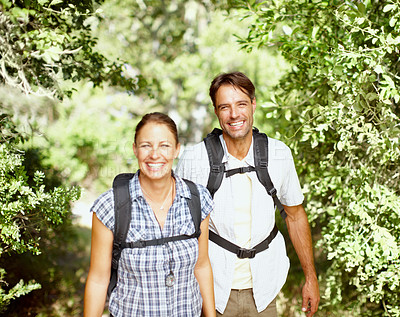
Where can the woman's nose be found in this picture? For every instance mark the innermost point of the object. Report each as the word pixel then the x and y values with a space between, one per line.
pixel 154 152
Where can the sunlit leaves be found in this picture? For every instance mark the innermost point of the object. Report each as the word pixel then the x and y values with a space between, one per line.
pixel 25 209
pixel 46 41
pixel 343 98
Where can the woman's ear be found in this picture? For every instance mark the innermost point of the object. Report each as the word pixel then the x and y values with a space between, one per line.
pixel 134 149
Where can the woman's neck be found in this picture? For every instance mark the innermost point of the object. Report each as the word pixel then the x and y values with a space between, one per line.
pixel 156 189
pixel 159 194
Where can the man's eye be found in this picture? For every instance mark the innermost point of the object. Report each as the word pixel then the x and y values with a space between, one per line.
pixel 165 145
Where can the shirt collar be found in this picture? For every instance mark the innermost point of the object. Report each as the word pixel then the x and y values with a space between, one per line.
pixel 249 159
pixel 135 189
pixel 181 188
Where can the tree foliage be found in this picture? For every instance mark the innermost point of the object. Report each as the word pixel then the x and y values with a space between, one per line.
pixel 28 209
pixel 43 43
pixel 92 156
pixel 339 108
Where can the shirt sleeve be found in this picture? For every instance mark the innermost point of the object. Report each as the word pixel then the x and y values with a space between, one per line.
pixel 103 206
pixel 193 164
pixel 291 193
pixel 207 203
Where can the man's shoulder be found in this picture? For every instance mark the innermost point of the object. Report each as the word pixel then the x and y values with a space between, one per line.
pixel 193 163
pixel 277 143
pixel 193 151
pixel 277 149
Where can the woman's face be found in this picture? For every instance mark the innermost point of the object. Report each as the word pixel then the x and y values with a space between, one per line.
pixel 155 149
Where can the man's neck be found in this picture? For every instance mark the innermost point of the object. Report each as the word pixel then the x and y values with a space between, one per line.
pixel 238 148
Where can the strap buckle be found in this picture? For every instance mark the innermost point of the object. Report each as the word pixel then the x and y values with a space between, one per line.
pixel 272 192
pixel 217 168
pixel 244 169
pixel 243 253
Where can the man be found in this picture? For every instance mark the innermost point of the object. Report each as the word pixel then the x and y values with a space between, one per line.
pixel 244 213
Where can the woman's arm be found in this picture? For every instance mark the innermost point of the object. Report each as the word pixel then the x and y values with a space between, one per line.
pixel 203 272
pixel 100 269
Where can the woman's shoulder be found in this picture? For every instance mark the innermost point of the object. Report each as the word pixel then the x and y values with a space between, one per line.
pixel 105 200
pixel 206 201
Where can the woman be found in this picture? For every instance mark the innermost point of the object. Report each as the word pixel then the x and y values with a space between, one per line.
pixel 159 209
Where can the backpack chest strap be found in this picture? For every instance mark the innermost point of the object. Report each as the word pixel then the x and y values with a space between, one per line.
pixel 240 170
pixel 243 253
pixel 159 241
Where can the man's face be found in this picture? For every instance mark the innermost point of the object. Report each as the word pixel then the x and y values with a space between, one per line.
pixel 235 111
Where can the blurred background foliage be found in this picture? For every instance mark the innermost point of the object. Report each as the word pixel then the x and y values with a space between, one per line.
pixel 77 76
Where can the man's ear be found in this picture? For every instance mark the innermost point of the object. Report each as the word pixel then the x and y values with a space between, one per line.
pixel 178 150
pixel 253 103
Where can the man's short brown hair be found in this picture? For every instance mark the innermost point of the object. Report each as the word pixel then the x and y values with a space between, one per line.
pixel 235 79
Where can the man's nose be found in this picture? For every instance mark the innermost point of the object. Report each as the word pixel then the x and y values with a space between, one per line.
pixel 234 112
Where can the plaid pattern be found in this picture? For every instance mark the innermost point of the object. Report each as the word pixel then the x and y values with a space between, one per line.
pixel 141 289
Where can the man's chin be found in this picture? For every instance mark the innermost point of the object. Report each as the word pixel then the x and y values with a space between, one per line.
pixel 237 137
pixel 236 134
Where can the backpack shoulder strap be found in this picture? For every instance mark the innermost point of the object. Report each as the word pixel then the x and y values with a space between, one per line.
pixel 215 154
pixel 194 205
pixel 260 148
pixel 195 211
pixel 122 219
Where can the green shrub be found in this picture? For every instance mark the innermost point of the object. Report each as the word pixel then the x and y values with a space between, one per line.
pixel 338 106
pixel 30 212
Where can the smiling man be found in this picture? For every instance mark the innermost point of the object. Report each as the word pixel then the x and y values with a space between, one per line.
pixel 249 175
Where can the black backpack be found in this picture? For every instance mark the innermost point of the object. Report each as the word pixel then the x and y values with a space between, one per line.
pixel 215 154
pixel 122 212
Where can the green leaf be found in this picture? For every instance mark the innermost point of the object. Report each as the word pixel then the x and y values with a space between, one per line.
pixel 389 7
pixel 287 30
pixel 360 21
pixel 393 21
pixel 378 69
pixel 55 2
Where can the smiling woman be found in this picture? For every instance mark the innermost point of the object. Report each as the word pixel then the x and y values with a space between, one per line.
pixel 155 147
pixel 169 279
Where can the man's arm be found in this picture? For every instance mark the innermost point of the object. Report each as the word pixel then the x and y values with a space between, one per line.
pixel 300 235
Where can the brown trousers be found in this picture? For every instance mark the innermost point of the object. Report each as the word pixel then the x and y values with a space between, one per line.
pixel 241 304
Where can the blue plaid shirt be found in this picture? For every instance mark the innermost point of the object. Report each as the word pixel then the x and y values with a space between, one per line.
pixel 141 289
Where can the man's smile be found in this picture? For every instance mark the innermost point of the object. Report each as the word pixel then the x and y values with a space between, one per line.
pixel 236 124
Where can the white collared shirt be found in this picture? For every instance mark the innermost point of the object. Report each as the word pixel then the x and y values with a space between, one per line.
pixel 270 267
pixel 242 197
